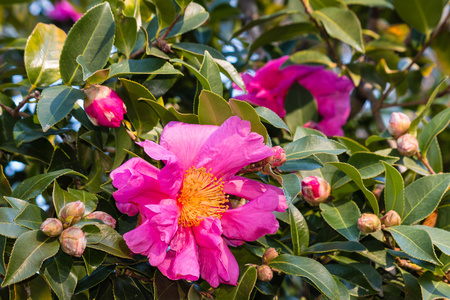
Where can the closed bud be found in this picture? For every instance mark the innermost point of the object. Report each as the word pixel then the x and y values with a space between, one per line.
pixel 278 158
pixel 390 219
pixel 73 241
pixel 269 255
pixel 368 223
pixel 265 273
pixel 103 106
pixel 407 145
pixel 52 227
pixel 107 219
pixel 127 208
pixel 72 213
pixel 315 190
pixel 398 124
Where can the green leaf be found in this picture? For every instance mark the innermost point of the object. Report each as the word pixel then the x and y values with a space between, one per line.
pixel 8 227
pixel 371 3
pixel 31 217
pixel 342 216
pixel 212 109
pixel 183 3
pixel 31 187
pixel 194 16
pixel 308 57
pixel 310 145
pixel 163 113
pixel 310 269
pixel 125 288
pixel 126 35
pixel 305 164
pixel 356 280
pixel 336 246
pixel 93 259
pixel 352 146
pixel 268 116
pixel 29 252
pixel 143 66
pixel 61 198
pixel 112 243
pixel 5 187
pixel 59 274
pixel 244 288
pixel 412 287
pixel 414 241
pixel 432 287
pixel 26 130
pixel 91 37
pixel 204 82
pixel 122 143
pixel 432 129
pixel 2 254
pixel 440 237
pixel 343 291
pixel 394 198
pixel 300 105
pixel 291 186
pixel 56 102
pixel 210 71
pixel 341 24
pixel 165 10
pixel 422 15
pixel 353 173
pixel 299 231
pixel 423 196
pixel 95 278
pixel 246 112
pixel 42 53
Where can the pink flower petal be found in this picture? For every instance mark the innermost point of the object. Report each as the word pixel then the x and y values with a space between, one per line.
pixel 64 11
pixel 251 189
pixel 231 147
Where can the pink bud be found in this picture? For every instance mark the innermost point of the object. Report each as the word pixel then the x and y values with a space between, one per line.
pixel 269 255
pixel 368 223
pixel 127 208
pixel 398 124
pixel 278 158
pixel 73 241
pixel 103 106
pixel 104 217
pixel 52 227
pixel 72 213
pixel 391 218
pixel 265 273
pixel 407 145
pixel 315 190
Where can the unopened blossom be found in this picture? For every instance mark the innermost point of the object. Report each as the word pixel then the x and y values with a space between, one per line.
pixel 315 190
pixel 269 255
pixel 391 218
pixel 103 106
pixel 398 124
pixel 52 227
pixel 271 84
pixel 72 213
pixel 278 158
pixel 64 11
pixel 73 241
pixel 106 218
pixel 407 145
pixel 264 272
pixel 368 223
pixel 188 222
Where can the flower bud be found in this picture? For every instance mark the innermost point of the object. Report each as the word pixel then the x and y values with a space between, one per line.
pixel 72 213
pixel 127 208
pixel 407 145
pixel 278 158
pixel 107 219
pixel 73 241
pixel 269 255
pixel 368 223
pixel 391 218
pixel 398 124
pixel 315 190
pixel 52 227
pixel 265 273
pixel 103 106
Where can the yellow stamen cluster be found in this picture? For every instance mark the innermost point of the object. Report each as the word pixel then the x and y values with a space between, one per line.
pixel 201 196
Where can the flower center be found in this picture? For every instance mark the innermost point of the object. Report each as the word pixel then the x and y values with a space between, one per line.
pixel 200 197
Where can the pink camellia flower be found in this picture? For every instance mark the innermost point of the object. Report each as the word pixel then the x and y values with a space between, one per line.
pixel 106 218
pixel 103 106
pixel 270 86
pixel 187 220
pixel 64 11
pixel 315 190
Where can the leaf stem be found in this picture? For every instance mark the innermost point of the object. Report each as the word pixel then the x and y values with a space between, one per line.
pixel 424 160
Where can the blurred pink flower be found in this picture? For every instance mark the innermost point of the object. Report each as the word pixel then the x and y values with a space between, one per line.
pixel 270 86
pixel 187 218
pixel 64 11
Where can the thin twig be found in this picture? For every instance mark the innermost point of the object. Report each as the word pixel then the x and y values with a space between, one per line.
pixel 25 100
pixel 137 53
pixel 11 111
pixel 403 263
pixel 424 160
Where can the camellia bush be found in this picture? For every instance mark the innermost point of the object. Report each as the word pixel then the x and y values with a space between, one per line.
pixel 157 149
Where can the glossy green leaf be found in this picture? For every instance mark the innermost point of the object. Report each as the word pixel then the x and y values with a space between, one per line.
pixel 422 15
pixel 432 129
pixel 31 217
pixel 95 278
pixel 439 237
pixel 306 164
pixel 371 3
pixel 143 66
pixel 308 57
pixel 202 79
pixel 122 144
pixel 423 196
pixel 29 252
pixel 2 255
pixel 356 282
pixel 185 118
pixel 97 176
pixel 126 35
pixel 336 246
pixel 212 109
pixel 42 53
pixel 163 113
pixel 291 186
pixel 432 287
pixel 341 24
pixel 310 269
pixel 26 130
pixel 5 187
pixel 60 275
pixel 246 112
pixel 352 145
pixel 8 227
pixel 342 216
pixel 112 243
pixel 210 71
pixel 310 145
pixel 353 173
pixel 414 241
pixel 183 3
pixel 412 287
pixel 61 198
pixel 93 259
pixel 165 10
pixel 91 37
pixel 343 291
pixel 244 288
pixel 194 16
pixel 56 102
pixel 125 288
pixel 299 231
pixel 300 105
pixel 394 198
pixel 268 116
